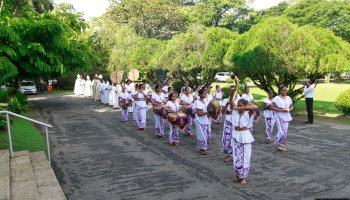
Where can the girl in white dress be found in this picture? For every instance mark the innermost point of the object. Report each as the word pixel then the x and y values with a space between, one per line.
pixel 202 122
pixel 242 139
pixel 282 105
pixel 157 99
pixel 174 106
pixel 269 116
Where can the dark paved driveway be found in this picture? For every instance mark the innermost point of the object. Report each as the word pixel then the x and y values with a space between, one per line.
pixel 98 157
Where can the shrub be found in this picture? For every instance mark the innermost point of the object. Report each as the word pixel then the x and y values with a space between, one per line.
pixel 3 95
pixel 14 105
pixel 177 85
pixel 342 102
pixel 2 120
pixel 22 99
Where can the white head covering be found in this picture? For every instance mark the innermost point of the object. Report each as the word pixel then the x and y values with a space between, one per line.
pixel 100 76
pixel 78 76
pixel 87 77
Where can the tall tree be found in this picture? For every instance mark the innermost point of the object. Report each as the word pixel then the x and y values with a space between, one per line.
pixel 276 52
pixel 159 19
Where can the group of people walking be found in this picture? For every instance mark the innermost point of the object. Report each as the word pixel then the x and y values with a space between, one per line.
pixel 236 111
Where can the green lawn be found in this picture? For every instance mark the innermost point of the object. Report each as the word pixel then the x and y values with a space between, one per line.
pixel 325 95
pixel 24 137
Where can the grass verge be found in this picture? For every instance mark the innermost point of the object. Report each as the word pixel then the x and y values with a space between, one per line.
pixel 24 137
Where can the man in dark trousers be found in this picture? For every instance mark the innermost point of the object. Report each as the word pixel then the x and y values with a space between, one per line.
pixel 309 100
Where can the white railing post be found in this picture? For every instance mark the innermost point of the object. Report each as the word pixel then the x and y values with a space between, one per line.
pixel 9 134
pixel 8 113
pixel 48 144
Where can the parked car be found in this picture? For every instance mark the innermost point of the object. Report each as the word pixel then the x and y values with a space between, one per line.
pixel 222 76
pixel 27 87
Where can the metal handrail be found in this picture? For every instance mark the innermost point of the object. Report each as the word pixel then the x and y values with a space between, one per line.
pixel 8 113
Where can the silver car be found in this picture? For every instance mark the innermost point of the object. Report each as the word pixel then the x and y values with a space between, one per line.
pixel 27 87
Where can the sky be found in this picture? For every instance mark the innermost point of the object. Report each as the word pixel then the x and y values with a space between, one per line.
pixel 95 8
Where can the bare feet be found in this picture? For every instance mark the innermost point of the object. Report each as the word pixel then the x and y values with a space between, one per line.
pixel 243 182
pixel 176 143
pixel 203 152
pixel 236 179
pixel 268 141
pixel 227 158
pixel 281 148
pixel 209 142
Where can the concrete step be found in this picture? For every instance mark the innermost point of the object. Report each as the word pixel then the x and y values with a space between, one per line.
pixel 45 178
pixel 22 182
pixel 4 175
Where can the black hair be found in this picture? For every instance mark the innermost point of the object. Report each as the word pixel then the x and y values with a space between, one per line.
pixel 245 88
pixel 217 86
pixel 144 80
pixel 271 90
pixel 156 86
pixel 201 91
pixel 171 95
pixel 169 88
pixel 281 88
pixel 243 101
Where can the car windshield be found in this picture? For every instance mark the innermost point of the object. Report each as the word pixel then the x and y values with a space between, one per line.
pixel 27 84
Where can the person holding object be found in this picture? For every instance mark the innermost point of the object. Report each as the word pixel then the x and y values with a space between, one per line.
pixel 141 98
pixel 174 107
pixel 242 138
pixel 158 99
pixel 309 101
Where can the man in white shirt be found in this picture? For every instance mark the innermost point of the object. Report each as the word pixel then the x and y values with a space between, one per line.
pixel 309 100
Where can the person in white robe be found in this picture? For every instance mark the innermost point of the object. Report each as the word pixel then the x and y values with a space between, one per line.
pixel 94 86
pixel 77 87
pixel 174 106
pixel 282 105
pixel 99 88
pixel 111 95
pixel 88 87
pixel 269 116
pixel 82 85
pixel 117 88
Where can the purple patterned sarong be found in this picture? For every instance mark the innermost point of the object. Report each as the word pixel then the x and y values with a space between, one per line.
pixel 226 138
pixel 269 122
pixel 124 114
pixel 174 134
pixel 141 117
pixel 241 158
pixel 202 131
pixel 281 136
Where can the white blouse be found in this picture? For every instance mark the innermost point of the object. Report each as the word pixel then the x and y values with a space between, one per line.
pixel 159 98
pixel 187 99
pixel 248 97
pixel 241 121
pixel 198 105
pixel 174 106
pixel 141 103
pixel 268 113
pixel 283 103
pixel 124 95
